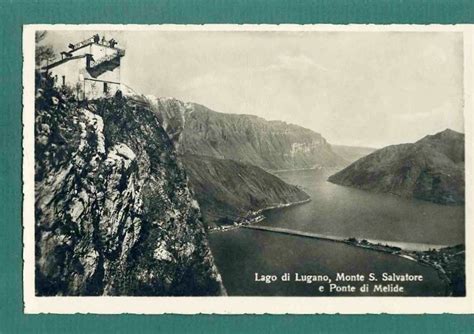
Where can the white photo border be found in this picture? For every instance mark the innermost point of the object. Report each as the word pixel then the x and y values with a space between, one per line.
pixel 237 305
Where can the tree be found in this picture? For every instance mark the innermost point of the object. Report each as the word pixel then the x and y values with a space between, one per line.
pixel 43 52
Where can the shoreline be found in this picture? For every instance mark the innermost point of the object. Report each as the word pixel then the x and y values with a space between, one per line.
pixel 317 167
pixel 429 258
pixel 284 205
pixel 421 257
pixel 272 171
pixel 256 216
pixel 430 255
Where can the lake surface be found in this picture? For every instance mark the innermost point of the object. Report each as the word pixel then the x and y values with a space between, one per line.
pixel 336 211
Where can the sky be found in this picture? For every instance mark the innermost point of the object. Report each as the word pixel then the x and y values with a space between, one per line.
pixel 355 88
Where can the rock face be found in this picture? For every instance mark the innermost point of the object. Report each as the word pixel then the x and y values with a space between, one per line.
pixel 228 190
pixel 432 169
pixel 114 214
pixel 272 145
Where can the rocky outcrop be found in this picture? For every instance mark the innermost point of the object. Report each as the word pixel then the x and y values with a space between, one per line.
pixel 432 169
pixel 229 191
pixel 114 214
pixel 272 145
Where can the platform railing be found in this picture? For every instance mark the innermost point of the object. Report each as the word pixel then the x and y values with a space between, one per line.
pixel 119 53
pixel 90 40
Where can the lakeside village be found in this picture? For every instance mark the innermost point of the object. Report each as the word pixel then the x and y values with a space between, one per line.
pixel 253 217
pixel 449 262
pixel 250 218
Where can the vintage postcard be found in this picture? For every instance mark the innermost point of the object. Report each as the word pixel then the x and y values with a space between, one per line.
pixel 248 169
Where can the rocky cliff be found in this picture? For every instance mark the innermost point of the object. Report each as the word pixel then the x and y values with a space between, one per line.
pixel 114 214
pixel 272 145
pixel 228 191
pixel 431 169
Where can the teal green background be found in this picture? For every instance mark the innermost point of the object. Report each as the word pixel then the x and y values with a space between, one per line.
pixel 13 14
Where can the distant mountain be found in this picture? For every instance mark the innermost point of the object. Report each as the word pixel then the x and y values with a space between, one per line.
pixel 432 169
pixel 228 190
pixel 272 145
pixel 351 153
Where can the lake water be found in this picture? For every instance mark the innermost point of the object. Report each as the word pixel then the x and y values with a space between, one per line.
pixel 336 211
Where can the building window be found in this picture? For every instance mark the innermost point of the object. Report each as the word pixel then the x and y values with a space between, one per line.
pixel 55 79
pixel 64 80
pixel 106 88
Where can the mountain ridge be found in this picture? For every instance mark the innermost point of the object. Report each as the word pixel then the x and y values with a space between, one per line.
pixel 227 190
pixel 431 169
pixel 272 145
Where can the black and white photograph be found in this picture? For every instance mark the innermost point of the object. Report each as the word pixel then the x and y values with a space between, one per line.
pixel 326 164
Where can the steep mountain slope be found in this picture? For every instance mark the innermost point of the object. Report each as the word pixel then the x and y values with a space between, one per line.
pixel 431 169
pixel 228 190
pixel 114 214
pixel 272 145
pixel 351 153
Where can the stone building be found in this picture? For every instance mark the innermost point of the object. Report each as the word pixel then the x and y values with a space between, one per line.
pixel 91 68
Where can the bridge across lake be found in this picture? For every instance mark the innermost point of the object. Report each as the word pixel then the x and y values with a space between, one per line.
pixel 294 232
pixel 403 245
